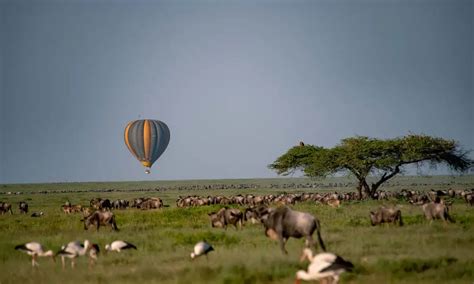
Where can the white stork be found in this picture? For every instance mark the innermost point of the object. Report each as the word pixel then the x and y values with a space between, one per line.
pixel 35 250
pixel 73 250
pixel 119 245
pixel 323 266
pixel 201 248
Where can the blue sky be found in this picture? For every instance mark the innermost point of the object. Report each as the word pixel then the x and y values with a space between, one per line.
pixel 237 82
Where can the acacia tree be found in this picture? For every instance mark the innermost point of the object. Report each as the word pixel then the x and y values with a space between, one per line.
pixel 363 157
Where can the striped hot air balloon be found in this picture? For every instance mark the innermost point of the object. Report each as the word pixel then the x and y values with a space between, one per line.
pixel 147 139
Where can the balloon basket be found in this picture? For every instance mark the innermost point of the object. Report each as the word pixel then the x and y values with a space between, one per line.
pixel 147 171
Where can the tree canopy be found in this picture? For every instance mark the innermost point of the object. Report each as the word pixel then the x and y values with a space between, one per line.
pixel 363 157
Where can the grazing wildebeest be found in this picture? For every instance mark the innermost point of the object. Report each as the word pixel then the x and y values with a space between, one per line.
pixel 283 223
pixel 437 211
pixel 95 203
pixel 386 215
pixel 335 203
pixel 5 207
pixel 87 211
pixel 250 214
pixel 254 214
pixel 226 216
pixel 151 203
pixel 67 209
pixel 100 218
pixel 23 206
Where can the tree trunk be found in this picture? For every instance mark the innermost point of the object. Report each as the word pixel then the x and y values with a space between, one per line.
pixel 363 184
pixel 373 190
pixel 366 188
pixel 359 190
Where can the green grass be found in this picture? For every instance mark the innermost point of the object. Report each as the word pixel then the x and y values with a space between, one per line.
pixel 415 253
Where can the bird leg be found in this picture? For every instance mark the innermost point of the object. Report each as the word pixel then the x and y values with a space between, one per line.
pixel 63 261
pixel 33 260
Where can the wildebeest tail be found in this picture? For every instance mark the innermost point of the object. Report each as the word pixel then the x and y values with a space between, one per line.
pixel 448 217
pixel 318 231
pixel 114 225
pixel 400 220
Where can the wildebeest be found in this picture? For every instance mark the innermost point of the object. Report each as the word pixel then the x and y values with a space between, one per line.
pixel 23 206
pixel 386 215
pixel 68 208
pixel 151 203
pixel 100 218
pixel 226 216
pixel 468 197
pixel 254 213
pixel 105 204
pixel 87 211
pixel 121 204
pixel 282 223
pixel 250 214
pixel 5 207
pixel 437 211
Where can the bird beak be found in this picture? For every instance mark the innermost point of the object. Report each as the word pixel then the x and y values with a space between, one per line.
pixel 297 281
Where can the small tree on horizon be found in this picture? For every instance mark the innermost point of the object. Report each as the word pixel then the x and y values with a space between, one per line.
pixel 363 157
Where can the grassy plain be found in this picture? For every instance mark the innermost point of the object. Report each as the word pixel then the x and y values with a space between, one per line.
pixel 415 253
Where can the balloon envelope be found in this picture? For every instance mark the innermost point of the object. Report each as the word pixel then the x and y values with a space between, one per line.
pixel 147 139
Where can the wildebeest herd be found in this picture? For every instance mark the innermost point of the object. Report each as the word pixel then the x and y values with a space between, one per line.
pixel 272 211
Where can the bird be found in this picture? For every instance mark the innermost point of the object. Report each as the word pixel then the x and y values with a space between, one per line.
pixel 323 266
pixel 37 214
pixel 119 245
pixel 73 250
pixel 35 250
pixel 93 253
pixel 201 248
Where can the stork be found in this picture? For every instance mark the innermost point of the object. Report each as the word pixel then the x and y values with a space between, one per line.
pixel 93 253
pixel 73 250
pixel 119 245
pixel 323 266
pixel 35 250
pixel 201 248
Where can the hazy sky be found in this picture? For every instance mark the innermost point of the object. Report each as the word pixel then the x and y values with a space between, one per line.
pixel 237 82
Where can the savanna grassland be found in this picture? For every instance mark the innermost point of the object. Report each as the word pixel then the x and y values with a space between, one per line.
pixel 415 253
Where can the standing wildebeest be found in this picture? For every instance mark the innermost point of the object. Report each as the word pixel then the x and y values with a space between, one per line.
pixel 468 197
pixel 437 211
pixel 5 207
pixel 283 223
pixel 23 206
pixel 105 204
pixel 121 204
pixel 100 218
pixel 226 216
pixel 386 215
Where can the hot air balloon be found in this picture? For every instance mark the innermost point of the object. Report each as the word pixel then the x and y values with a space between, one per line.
pixel 147 139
